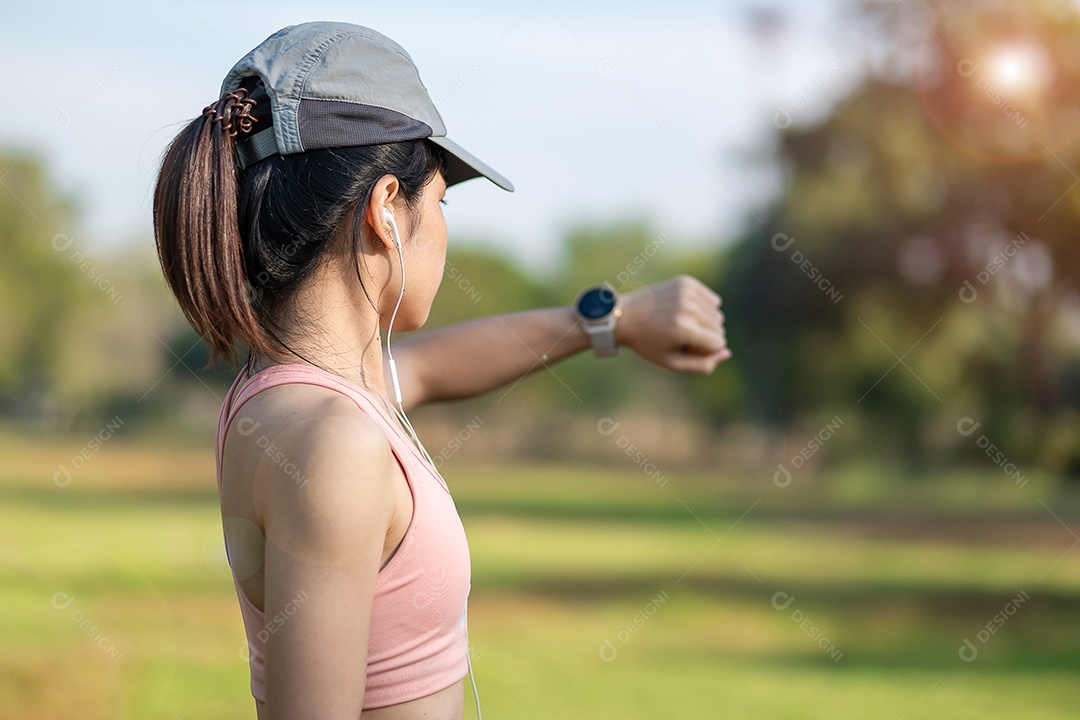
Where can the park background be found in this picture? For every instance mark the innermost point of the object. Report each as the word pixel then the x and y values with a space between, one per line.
pixel 871 510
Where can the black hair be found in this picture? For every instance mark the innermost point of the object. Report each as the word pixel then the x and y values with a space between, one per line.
pixel 236 244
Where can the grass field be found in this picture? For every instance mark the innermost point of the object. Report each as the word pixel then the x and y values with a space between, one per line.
pixel 596 593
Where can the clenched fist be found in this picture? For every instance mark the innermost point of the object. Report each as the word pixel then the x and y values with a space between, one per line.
pixel 676 324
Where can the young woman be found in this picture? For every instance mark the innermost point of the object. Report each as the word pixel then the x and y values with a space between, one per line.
pixel 298 219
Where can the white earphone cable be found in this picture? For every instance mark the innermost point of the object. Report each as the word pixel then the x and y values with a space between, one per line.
pixel 400 410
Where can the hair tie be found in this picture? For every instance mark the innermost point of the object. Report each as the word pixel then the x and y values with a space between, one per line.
pixel 225 111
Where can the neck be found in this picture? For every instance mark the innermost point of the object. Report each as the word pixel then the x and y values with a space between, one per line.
pixel 336 331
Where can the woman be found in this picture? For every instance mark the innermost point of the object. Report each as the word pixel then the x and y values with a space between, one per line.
pixel 298 217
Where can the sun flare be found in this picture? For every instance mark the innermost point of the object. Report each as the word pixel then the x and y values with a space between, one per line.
pixel 1020 68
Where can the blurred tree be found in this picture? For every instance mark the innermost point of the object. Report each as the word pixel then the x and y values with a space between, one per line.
pixel 40 285
pixel 480 281
pixel 924 246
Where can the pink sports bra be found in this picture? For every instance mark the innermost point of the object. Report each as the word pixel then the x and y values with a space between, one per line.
pixel 417 640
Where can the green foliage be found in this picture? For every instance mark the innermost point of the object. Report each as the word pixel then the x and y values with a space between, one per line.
pixel 919 267
pixel 480 281
pixel 40 280
pixel 921 264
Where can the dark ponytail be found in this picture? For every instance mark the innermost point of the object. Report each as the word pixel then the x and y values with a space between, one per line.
pixel 236 244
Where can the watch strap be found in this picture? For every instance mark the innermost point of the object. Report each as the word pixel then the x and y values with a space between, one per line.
pixel 602 338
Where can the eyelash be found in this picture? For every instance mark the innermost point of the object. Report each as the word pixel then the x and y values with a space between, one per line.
pixel 443 202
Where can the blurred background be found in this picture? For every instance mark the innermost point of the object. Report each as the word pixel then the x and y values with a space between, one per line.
pixel 872 510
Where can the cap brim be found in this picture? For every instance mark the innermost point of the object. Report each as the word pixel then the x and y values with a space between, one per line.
pixel 463 165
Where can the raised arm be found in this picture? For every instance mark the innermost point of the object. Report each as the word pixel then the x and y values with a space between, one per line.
pixel 324 544
pixel 676 324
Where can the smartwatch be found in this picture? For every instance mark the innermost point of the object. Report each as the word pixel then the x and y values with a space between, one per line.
pixel 598 309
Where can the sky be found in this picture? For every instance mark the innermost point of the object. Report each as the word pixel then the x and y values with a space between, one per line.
pixel 596 111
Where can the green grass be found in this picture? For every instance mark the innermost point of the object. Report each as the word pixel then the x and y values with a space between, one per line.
pixel 894 574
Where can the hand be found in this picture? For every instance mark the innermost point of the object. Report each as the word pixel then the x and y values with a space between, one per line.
pixel 676 324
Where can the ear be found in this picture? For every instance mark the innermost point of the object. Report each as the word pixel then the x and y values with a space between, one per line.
pixel 382 198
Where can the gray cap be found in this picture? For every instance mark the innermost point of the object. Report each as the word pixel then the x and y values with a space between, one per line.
pixel 335 84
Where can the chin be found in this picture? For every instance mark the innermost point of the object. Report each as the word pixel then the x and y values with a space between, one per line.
pixel 414 320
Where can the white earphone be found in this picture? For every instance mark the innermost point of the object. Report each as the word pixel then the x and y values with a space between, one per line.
pixel 389 217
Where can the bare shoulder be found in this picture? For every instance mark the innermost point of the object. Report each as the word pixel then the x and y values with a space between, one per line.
pixel 323 477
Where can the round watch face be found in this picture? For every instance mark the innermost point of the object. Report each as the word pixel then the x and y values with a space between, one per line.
pixel 596 303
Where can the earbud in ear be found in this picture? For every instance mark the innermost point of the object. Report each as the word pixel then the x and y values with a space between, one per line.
pixel 389 217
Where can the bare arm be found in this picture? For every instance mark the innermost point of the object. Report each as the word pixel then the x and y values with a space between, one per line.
pixel 676 324
pixel 324 543
pixel 473 357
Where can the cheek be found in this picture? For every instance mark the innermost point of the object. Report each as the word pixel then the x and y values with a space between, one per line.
pixel 438 255
pixel 429 263
pixel 440 229
pixel 438 269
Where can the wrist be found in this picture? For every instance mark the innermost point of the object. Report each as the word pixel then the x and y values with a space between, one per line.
pixel 576 333
pixel 624 331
